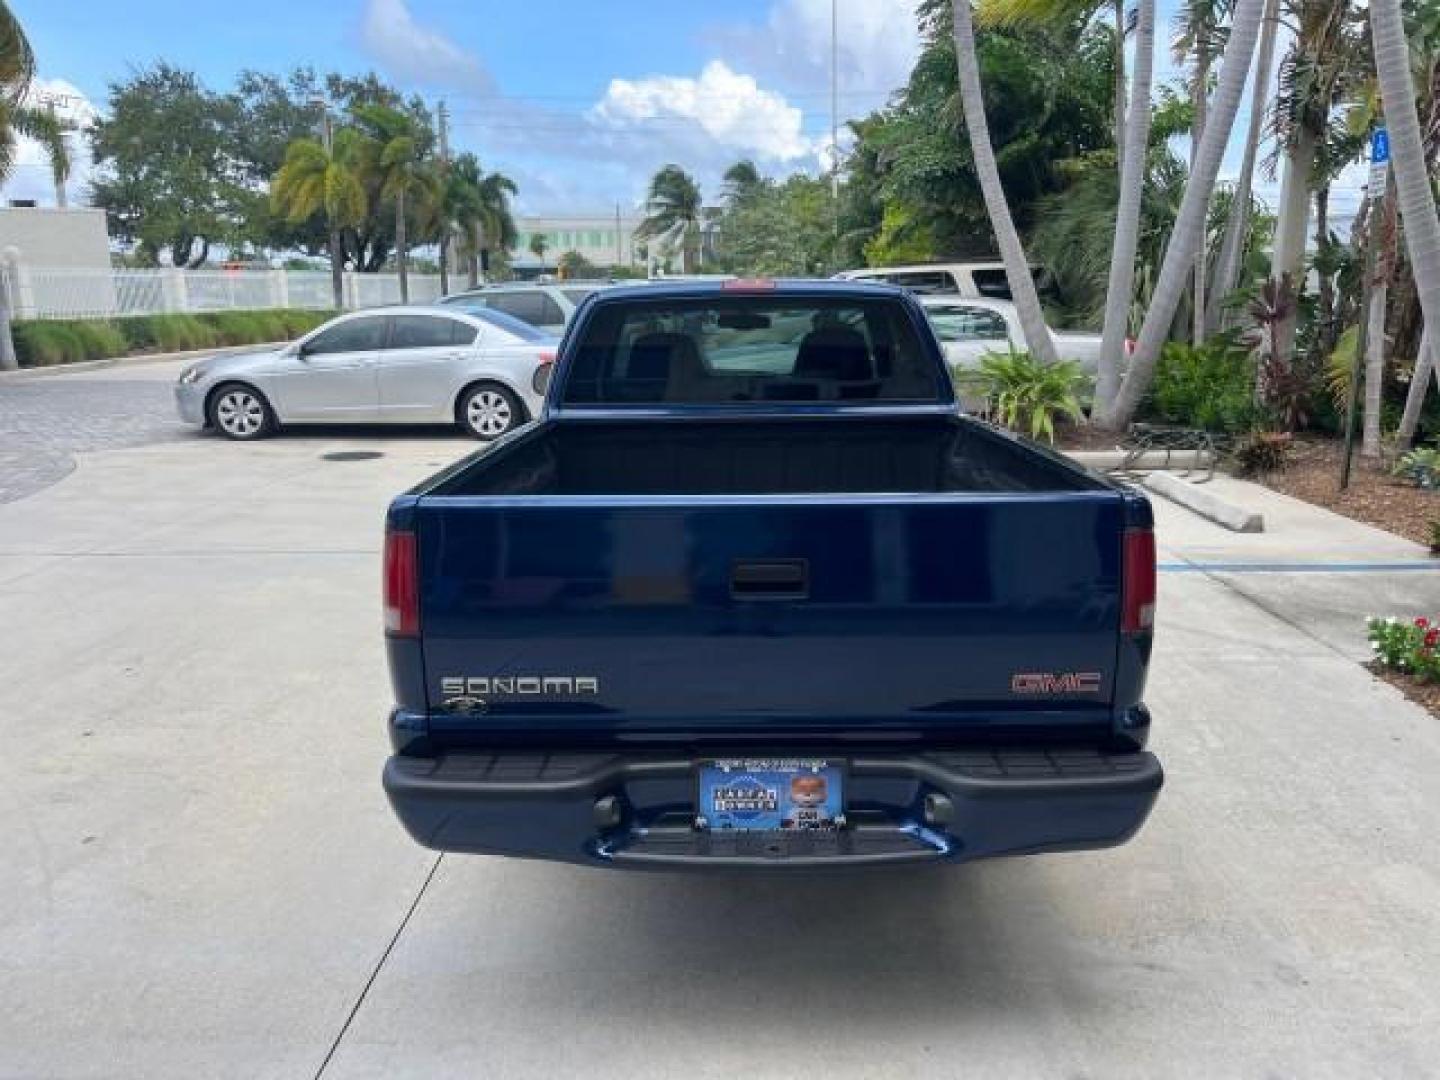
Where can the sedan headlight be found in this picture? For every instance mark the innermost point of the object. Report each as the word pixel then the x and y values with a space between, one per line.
pixel 190 374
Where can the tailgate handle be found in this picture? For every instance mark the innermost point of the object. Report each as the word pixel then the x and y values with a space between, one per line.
pixel 770 579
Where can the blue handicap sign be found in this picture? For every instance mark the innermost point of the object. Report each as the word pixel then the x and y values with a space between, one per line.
pixel 1380 146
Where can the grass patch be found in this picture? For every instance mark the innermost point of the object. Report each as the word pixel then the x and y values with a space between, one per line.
pixel 47 342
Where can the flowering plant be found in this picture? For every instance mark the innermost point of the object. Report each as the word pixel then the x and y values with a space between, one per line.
pixel 1412 647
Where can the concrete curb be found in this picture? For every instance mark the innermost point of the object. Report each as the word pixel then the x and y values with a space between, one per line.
pixel 1148 459
pixel 1205 503
pixel 139 358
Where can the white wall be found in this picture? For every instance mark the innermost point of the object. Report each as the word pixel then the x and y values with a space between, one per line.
pixel 48 238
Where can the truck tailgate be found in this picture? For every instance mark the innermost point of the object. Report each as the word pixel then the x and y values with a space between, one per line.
pixel 697 615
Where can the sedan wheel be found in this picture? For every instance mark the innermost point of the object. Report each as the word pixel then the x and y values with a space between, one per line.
pixel 489 412
pixel 240 413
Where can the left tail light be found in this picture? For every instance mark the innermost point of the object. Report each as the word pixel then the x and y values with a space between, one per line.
pixel 402 585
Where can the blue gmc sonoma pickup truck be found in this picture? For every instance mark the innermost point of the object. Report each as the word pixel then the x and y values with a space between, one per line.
pixel 752 592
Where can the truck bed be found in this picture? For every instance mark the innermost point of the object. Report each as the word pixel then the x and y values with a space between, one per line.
pixel 921 455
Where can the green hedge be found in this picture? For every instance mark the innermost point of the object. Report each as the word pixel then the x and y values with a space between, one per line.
pixel 45 342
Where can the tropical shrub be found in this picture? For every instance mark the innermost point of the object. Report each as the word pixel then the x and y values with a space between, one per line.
pixel 43 342
pixel 1028 394
pixel 1261 453
pixel 1421 467
pixel 1409 648
pixel 1211 386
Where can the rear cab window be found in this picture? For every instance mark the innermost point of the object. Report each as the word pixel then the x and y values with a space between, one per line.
pixel 719 350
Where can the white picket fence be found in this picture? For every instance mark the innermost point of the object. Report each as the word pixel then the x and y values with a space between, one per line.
pixel 41 293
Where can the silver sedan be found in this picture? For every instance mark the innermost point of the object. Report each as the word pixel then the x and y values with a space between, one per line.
pixel 403 365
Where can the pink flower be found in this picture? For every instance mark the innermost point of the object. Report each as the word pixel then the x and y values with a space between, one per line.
pixel 1431 637
pixel 1422 622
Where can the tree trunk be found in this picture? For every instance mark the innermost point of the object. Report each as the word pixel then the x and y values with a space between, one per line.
pixel 401 254
pixel 477 242
pixel 1415 397
pixel 1290 233
pixel 1374 371
pixel 444 260
pixel 337 270
pixel 1121 287
pixel 1190 221
pixel 1120 84
pixel 1017 267
pixel 1325 301
pixel 1232 245
pixel 1198 96
pixel 1408 160
pixel 8 362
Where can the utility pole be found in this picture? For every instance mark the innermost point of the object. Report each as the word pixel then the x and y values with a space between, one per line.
pixel 442 115
pixel 835 111
pixel 618 238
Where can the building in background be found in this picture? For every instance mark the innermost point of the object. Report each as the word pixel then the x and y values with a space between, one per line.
pixel 602 239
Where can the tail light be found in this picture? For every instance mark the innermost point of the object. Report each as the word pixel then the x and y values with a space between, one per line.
pixel 1137 582
pixel 402 585
pixel 540 381
pixel 748 285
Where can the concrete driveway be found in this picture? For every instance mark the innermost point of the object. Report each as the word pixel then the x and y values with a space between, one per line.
pixel 202 877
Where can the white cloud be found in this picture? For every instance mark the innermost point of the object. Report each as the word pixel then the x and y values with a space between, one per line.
pixel 730 108
pixel 416 54
pixel 30 177
pixel 568 159
pixel 877 42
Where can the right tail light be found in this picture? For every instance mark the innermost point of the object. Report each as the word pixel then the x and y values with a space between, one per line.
pixel 1137 582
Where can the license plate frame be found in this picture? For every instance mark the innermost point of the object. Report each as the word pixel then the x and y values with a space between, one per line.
pixel 757 794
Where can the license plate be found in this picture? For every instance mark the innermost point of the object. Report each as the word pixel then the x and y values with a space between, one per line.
pixel 759 794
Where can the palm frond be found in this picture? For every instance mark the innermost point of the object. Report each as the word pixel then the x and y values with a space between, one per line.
pixel 17 61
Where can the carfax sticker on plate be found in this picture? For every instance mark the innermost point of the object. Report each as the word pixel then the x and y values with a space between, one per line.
pixel 759 794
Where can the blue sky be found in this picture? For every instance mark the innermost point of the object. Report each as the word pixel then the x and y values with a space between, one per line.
pixel 579 100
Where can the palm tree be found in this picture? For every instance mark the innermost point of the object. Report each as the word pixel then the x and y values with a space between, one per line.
pixel 1315 75
pixel 497 230
pixel 1201 34
pixel 17 69
pixel 1190 223
pixel 742 182
pixel 1017 267
pixel 463 209
pixel 1237 223
pixel 673 203
pixel 1133 167
pixel 316 179
pixel 539 244
pixel 1066 13
pixel 1407 154
pixel 394 155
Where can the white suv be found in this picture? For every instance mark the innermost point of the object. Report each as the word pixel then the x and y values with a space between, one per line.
pixel 546 307
pixel 972 280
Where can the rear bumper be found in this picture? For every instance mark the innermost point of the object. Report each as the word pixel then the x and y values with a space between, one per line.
pixel 635 810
